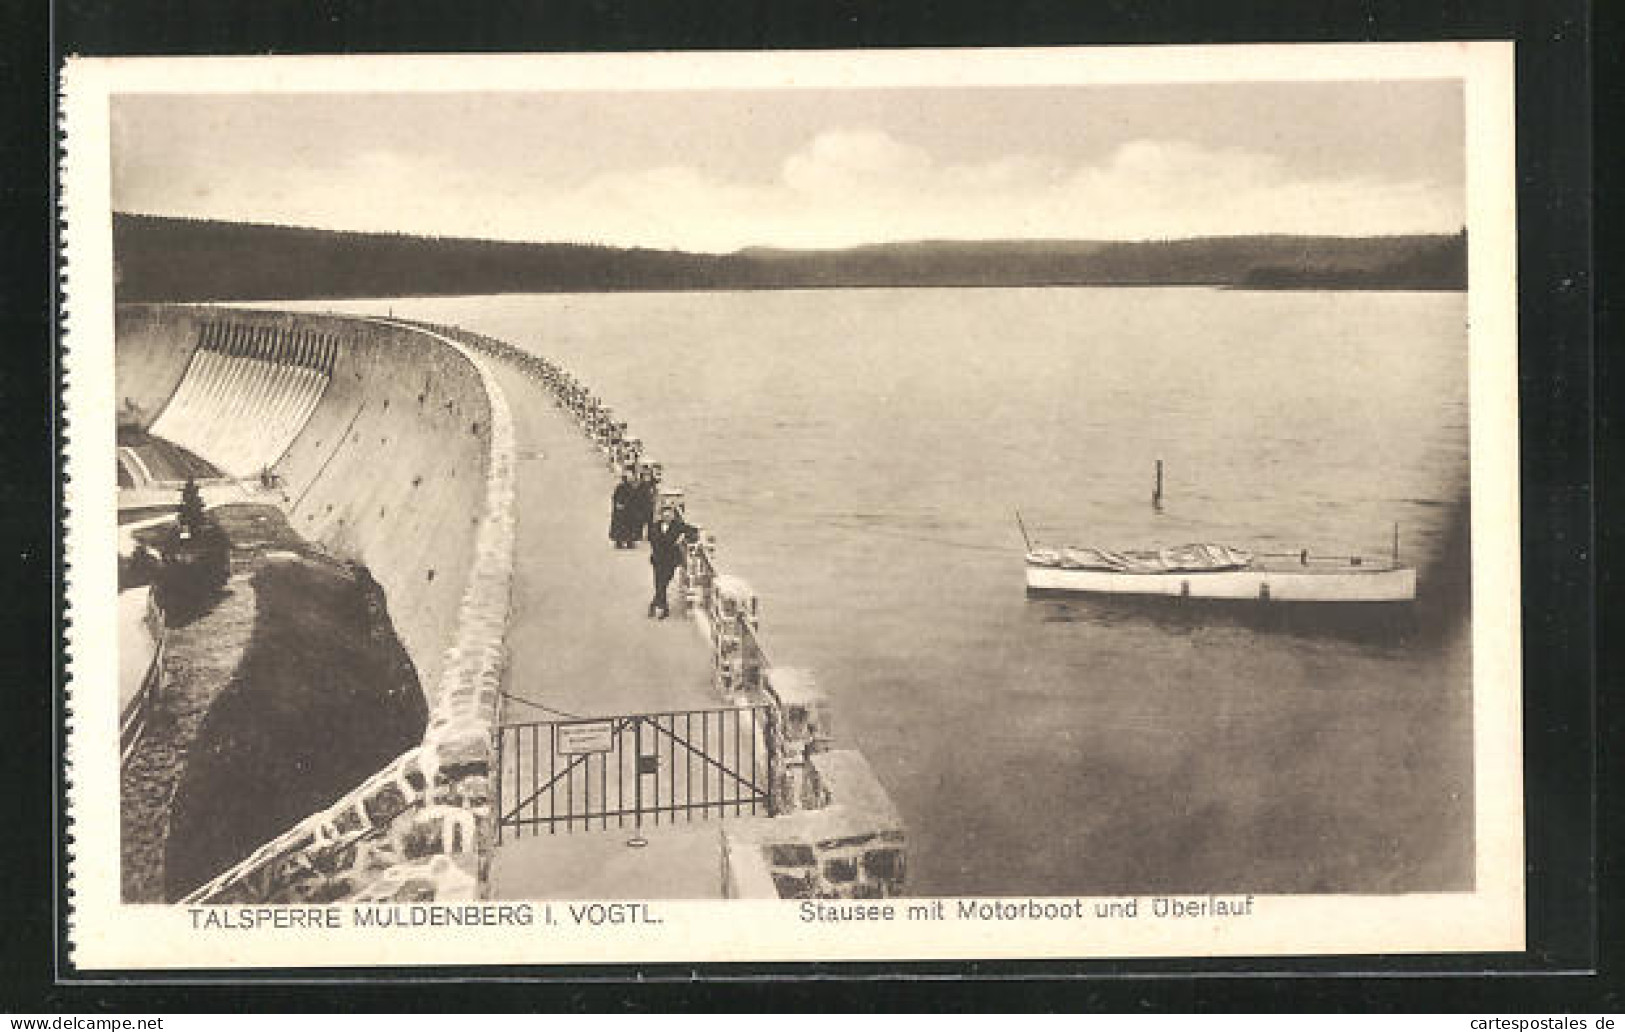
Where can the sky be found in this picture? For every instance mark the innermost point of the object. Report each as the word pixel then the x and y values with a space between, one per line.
pixel 717 170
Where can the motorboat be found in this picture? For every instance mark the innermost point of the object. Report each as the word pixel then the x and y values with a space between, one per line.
pixel 1213 571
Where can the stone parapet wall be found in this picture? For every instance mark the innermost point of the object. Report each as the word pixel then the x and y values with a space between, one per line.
pixel 849 845
pixel 419 829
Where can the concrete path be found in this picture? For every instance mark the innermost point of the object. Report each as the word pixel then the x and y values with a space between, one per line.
pixel 676 861
pixel 581 644
pixel 580 639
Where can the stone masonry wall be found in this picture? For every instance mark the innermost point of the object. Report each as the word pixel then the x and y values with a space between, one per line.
pixel 848 845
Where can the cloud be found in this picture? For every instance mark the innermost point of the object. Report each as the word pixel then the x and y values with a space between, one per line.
pixel 843 160
pixel 843 186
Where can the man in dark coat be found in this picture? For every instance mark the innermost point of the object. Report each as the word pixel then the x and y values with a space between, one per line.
pixel 666 537
pixel 645 493
pixel 625 522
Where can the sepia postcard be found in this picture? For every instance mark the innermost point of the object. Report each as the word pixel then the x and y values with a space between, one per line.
pixel 817 506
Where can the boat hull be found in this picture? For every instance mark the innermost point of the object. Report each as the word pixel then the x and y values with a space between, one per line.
pixel 1346 585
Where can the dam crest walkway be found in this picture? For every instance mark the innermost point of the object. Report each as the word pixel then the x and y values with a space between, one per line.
pixel 581 645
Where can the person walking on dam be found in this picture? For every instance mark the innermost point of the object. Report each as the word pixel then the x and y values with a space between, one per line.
pixel 643 511
pixel 666 537
pixel 625 516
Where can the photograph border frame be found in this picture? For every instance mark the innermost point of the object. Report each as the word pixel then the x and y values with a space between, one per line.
pixel 1554 214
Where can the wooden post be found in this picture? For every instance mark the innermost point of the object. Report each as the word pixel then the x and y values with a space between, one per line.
pixel 1156 494
pixel 1396 543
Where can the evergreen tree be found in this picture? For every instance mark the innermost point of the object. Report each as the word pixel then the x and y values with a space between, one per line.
pixel 197 559
pixel 192 515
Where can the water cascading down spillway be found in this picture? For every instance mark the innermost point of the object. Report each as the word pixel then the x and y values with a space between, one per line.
pixel 246 394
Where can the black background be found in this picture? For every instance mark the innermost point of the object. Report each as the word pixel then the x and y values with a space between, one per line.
pixel 1566 506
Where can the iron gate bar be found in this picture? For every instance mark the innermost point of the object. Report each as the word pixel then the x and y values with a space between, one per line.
pixel 536 763
pixel 735 788
pixel 637 776
pixel 553 773
pixel 739 779
pixel 714 804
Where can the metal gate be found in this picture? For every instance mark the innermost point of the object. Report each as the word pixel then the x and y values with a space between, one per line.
pixel 632 771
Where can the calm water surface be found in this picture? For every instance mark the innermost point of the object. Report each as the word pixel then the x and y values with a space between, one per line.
pixel 859 455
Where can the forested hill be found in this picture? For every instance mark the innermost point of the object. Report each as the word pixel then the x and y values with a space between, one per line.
pixel 170 259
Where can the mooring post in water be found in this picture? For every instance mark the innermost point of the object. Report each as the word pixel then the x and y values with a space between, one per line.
pixel 1396 544
pixel 1156 492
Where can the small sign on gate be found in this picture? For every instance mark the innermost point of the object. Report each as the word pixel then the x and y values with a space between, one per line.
pixel 586 736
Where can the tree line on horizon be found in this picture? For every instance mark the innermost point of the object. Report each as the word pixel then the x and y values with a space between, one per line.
pixel 162 258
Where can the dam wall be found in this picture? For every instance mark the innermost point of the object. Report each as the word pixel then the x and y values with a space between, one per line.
pixel 153 346
pixel 405 464
pixel 390 470
pixel 386 465
pixel 247 392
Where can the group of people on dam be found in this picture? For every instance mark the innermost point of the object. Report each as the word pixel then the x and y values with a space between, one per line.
pixel 632 507
pixel 638 513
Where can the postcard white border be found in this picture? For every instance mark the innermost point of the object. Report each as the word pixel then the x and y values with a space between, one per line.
pixel 106 934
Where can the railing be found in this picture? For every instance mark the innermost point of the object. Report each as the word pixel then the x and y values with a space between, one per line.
pixel 753 663
pixel 1304 558
pixel 597 420
pixel 740 664
pixel 700 572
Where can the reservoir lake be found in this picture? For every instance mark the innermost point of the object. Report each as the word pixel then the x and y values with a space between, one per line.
pixel 860 455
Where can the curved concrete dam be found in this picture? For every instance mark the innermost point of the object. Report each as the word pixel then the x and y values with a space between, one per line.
pixel 377 437
pixel 561 721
